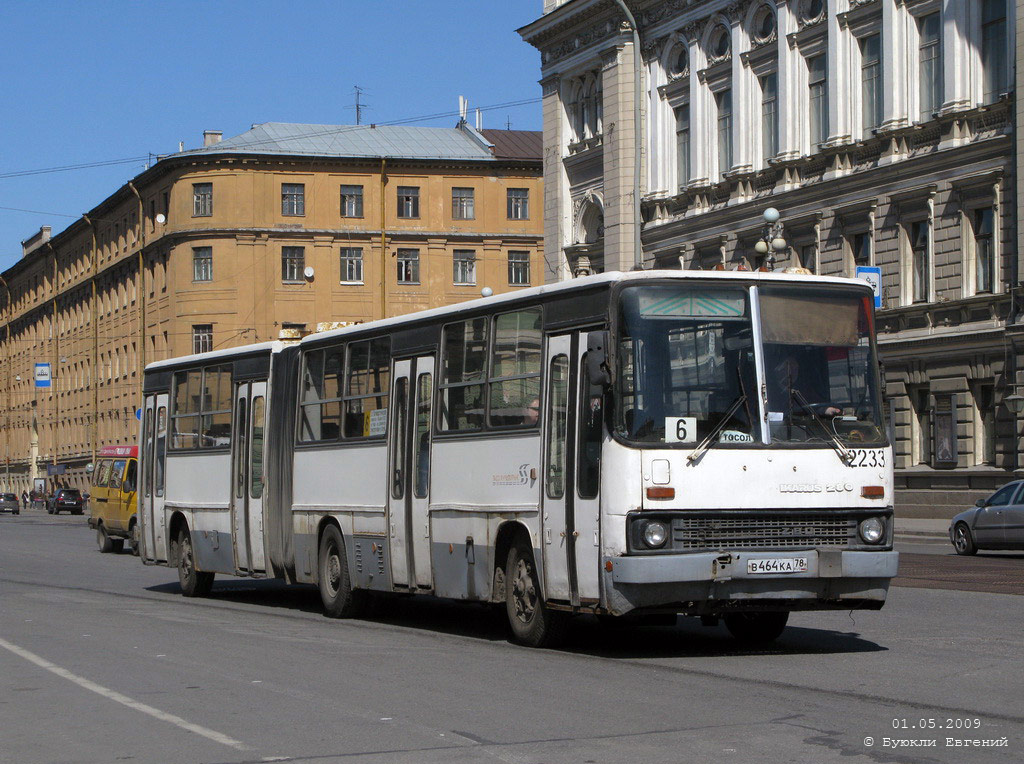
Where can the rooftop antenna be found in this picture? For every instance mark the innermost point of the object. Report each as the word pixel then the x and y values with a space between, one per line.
pixel 359 104
pixel 463 108
pixel 479 120
pixel 508 123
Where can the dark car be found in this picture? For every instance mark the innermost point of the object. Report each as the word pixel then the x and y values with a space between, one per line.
pixel 993 523
pixel 69 499
pixel 9 503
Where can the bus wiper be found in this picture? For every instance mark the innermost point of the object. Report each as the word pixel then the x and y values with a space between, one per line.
pixel 705 444
pixel 845 454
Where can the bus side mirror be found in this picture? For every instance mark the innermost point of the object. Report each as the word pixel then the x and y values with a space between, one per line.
pixel 597 359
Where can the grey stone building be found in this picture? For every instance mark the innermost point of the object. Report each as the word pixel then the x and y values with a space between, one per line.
pixel 882 130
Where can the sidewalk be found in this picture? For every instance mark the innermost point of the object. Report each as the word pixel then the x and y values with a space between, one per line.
pixel 910 528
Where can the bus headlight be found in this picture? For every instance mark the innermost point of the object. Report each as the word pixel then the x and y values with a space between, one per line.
pixel 655 534
pixel 872 530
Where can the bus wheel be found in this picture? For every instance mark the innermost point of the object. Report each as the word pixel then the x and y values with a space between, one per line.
pixel 336 593
pixel 533 624
pixel 194 583
pixel 103 541
pixel 756 628
pixel 135 539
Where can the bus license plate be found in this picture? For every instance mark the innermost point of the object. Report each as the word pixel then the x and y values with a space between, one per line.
pixel 777 565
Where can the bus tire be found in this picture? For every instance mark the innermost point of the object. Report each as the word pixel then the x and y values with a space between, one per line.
pixel 103 541
pixel 756 628
pixel 194 583
pixel 532 623
pixel 339 599
pixel 135 540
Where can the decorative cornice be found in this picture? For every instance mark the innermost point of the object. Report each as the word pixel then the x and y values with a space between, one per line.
pixel 585 37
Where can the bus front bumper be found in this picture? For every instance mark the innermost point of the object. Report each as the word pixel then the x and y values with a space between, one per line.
pixel 704 582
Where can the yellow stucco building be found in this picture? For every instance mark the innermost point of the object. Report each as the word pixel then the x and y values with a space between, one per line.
pixel 283 227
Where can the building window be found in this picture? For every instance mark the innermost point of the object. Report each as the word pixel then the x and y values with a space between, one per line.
pixel 462 204
pixel 464 267
pixel 519 268
pixel 202 338
pixel 408 266
pixel 293 262
pixel 293 199
pixel 352 265
pixel 860 246
pixel 920 260
pixel 871 82
pixel 818 87
pixel 202 263
pixel 808 257
pixel 518 204
pixel 984 424
pixel 812 10
pixel 408 201
pixel 930 57
pixel 723 102
pixel 984 250
pixel 683 146
pixel 769 115
pixel 202 200
pixel 351 201
pixel 920 426
pixel 993 48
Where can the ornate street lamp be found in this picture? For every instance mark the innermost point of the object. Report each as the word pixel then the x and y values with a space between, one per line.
pixel 772 241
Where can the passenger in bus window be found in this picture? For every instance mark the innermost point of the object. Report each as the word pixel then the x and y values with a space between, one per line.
pixel 531 412
pixel 788 382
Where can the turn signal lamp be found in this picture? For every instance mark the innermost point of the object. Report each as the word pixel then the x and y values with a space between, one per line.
pixel 873 492
pixel 660 492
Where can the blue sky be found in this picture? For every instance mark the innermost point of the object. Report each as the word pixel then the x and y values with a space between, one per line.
pixel 89 82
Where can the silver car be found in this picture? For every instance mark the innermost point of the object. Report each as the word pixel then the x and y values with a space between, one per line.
pixel 9 503
pixel 993 523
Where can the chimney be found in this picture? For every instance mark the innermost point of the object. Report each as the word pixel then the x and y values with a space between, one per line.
pixel 36 240
pixel 210 137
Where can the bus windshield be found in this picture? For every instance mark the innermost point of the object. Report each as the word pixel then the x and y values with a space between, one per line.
pixel 819 362
pixel 686 365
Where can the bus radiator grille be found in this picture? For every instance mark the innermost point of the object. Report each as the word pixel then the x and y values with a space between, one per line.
pixel 764 533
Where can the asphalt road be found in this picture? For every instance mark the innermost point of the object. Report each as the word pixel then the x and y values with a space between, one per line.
pixel 102 660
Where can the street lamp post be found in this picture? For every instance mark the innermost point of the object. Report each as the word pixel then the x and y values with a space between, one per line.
pixel 772 240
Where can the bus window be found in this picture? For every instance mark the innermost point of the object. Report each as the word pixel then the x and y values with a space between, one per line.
pixel 366 388
pixel 588 453
pixel 102 473
pixel 129 477
pixel 259 405
pixel 398 457
pixel 116 472
pixel 422 442
pixel 515 368
pixel 161 448
pixel 147 478
pixel 558 391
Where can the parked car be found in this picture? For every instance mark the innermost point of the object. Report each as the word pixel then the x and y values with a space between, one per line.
pixel 993 523
pixel 69 499
pixel 9 503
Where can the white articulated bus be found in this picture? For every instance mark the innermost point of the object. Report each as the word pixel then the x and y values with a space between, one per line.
pixel 701 443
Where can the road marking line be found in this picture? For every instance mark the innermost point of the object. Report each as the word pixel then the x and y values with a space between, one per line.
pixel 124 699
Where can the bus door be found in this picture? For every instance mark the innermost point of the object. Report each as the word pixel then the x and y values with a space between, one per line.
pixel 409 473
pixel 572 441
pixel 154 454
pixel 247 476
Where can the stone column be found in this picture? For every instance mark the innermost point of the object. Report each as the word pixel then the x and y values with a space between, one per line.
pixel 792 86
